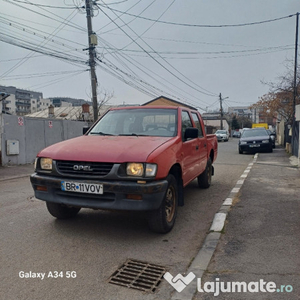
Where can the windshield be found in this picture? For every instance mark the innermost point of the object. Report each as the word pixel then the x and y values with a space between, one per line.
pixel 221 131
pixel 256 132
pixel 139 122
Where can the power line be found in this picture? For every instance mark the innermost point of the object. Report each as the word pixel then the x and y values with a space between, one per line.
pixel 54 81
pixel 187 41
pixel 39 75
pixel 211 94
pixel 139 36
pixel 60 55
pixel 157 77
pixel 42 43
pixel 202 25
pixel 121 15
pixel 70 24
pixel 43 5
pixel 34 31
pixel 284 47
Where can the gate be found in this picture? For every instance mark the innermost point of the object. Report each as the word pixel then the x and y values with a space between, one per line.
pixel 295 139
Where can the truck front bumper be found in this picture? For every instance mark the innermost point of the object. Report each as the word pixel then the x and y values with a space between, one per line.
pixel 117 195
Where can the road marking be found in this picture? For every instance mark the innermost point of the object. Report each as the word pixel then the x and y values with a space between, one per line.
pixel 200 263
pixel 235 190
pixel 228 201
pixel 218 222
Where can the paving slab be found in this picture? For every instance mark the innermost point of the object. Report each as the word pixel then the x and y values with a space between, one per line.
pixel 261 239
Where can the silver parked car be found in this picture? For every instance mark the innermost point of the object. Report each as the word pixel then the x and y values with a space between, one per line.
pixel 222 135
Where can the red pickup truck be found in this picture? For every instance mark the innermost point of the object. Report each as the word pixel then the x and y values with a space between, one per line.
pixel 133 158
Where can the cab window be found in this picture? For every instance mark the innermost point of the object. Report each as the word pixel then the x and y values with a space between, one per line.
pixel 185 122
pixel 198 124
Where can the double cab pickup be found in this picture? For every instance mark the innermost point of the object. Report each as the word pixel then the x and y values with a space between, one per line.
pixel 134 159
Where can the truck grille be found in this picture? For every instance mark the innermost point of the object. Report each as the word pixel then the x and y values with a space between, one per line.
pixel 83 168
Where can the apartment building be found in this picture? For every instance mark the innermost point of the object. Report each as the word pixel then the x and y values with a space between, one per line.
pixel 23 102
pixel 20 102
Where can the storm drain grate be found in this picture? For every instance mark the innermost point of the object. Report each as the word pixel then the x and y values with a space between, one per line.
pixel 138 275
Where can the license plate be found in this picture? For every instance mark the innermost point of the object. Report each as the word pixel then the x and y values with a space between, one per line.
pixel 254 146
pixel 81 187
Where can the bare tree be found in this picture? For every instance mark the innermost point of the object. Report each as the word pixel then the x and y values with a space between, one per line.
pixel 103 97
pixel 279 100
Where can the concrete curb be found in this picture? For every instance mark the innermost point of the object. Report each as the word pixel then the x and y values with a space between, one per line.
pixel 201 261
pixel 15 177
pixel 15 171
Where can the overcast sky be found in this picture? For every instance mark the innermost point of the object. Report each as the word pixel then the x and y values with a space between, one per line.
pixel 149 48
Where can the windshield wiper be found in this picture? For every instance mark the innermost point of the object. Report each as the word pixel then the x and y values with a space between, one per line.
pixel 132 134
pixel 100 133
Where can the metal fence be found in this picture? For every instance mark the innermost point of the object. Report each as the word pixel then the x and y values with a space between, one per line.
pixel 22 138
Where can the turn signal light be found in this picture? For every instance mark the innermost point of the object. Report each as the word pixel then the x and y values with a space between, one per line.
pixel 41 188
pixel 134 197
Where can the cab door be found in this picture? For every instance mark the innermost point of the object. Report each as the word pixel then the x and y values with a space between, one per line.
pixel 202 142
pixel 190 152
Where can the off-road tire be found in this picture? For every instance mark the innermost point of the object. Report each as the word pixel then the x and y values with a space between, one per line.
pixel 60 211
pixel 204 179
pixel 163 219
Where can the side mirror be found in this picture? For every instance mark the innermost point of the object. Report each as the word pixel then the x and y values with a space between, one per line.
pixel 85 130
pixel 191 133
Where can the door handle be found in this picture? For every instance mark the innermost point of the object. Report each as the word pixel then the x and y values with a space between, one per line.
pixel 197 147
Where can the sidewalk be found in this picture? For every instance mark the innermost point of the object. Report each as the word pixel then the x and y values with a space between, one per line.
pixel 11 172
pixel 261 239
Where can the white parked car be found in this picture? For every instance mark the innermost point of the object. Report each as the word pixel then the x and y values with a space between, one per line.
pixel 222 135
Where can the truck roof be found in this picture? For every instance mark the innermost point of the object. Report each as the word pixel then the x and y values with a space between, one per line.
pixel 150 107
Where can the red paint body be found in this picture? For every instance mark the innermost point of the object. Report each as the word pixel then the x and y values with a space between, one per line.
pixel 191 155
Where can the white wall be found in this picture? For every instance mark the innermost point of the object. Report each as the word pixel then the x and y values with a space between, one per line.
pixel 33 135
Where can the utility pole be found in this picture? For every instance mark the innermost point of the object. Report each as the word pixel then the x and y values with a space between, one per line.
pixel 294 137
pixel 92 54
pixel 221 110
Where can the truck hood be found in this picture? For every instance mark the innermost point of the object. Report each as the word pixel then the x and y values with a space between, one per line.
pixel 254 138
pixel 116 149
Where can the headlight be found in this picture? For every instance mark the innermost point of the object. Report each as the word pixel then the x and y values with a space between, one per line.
pixel 135 169
pixel 243 143
pixel 151 170
pixel 46 163
pixel 35 163
pixel 265 141
pixel 140 170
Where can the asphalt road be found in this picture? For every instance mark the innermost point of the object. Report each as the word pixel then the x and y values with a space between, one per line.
pixel 96 243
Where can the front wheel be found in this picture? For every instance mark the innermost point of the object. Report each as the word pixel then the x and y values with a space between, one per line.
pixel 204 179
pixel 162 220
pixel 60 211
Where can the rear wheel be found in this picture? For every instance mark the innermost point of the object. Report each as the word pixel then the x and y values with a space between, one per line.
pixel 240 151
pixel 204 179
pixel 163 219
pixel 60 211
